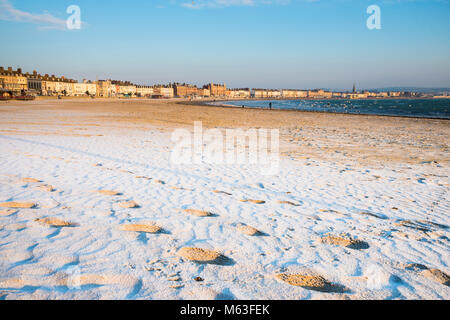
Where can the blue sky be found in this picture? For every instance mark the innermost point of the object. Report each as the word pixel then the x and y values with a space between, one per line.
pixel 245 43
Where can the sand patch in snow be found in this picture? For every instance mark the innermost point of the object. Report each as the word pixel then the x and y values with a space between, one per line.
pixel 146 228
pixel 309 281
pixel 55 222
pixel 176 286
pixel 108 192
pixel 222 192
pixel 128 204
pixel 253 201
pixel 45 187
pixel 330 211
pixel 287 202
pixel 344 241
pixel 373 215
pixel 174 279
pixel 30 180
pixel 143 177
pixel 437 275
pixel 198 213
pixel 202 255
pixel 247 230
pixel 18 205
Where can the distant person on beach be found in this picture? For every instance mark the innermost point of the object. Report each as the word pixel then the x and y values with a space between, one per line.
pixel 270 105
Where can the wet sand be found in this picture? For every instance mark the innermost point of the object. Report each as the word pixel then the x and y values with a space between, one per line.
pixel 367 139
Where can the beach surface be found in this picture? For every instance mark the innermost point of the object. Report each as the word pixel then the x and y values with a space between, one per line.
pixel 92 207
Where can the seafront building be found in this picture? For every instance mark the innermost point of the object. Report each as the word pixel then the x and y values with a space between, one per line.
pixel 144 91
pixel 293 94
pixel 106 89
pixel 59 86
pixel 319 94
pixel 186 90
pixel 15 82
pixel 124 88
pixel 49 85
pixel 266 94
pixel 217 90
pixel 204 92
pixel 274 94
pixel 354 95
pixel 259 93
pixel 127 90
pixel 242 93
pixel 34 83
pixel 85 88
pixel 209 90
pixel 162 91
pixel 12 81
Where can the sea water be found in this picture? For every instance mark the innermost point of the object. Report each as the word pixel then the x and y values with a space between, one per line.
pixel 423 108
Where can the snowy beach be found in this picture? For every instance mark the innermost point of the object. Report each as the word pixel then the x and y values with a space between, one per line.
pixel 92 207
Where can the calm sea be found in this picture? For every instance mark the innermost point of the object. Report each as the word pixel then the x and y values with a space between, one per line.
pixel 423 108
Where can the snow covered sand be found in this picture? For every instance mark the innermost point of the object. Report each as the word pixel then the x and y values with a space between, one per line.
pixel 330 227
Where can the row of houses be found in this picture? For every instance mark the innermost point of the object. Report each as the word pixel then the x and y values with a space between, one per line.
pixel 15 81
pixel 210 90
pixel 318 94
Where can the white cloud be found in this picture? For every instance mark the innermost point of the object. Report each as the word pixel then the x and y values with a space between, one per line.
pixel 44 20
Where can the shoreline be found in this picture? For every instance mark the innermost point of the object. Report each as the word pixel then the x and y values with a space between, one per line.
pixel 223 105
